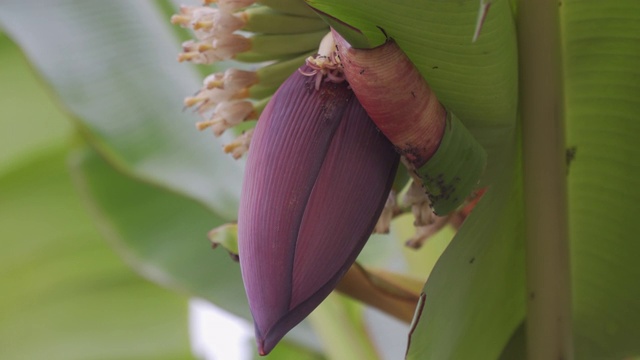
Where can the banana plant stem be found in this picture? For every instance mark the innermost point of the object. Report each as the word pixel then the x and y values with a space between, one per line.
pixel 548 322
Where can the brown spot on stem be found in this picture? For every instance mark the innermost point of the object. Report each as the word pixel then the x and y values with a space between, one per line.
pixel 570 156
pixel 413 154
pixel 439 188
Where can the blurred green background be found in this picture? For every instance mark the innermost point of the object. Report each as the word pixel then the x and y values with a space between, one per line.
pixel 64 292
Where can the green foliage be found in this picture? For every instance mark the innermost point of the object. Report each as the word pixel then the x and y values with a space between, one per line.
pixel 66 294
pixel 124 89
pixel 159 233
pixel 156 187
pixel 602 53
pixel 19 92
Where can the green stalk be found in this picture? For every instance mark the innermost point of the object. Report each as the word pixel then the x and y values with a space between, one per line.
pixel 272 47
pixel 549 333
pixel 453 172
pixel 263 19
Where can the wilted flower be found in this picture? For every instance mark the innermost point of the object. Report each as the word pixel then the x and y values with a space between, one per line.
pixel 426 229
pixel 238 147
pixel 231 79
pixel 388 212
pixel 227 115
pixel 419 202
pixel 207 22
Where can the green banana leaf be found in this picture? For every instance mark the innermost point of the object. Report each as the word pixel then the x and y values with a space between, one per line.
pixel 19 93
pixel 112 64
pixel 602 82
pixel 66 295
pixel 137 126
pixel 158 232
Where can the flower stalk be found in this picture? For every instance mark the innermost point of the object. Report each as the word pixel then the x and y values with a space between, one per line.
pixel 439 150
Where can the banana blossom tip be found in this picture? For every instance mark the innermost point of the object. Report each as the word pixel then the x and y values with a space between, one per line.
pixel 317 178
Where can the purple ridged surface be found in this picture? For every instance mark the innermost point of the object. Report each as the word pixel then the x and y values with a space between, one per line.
pixel 317 177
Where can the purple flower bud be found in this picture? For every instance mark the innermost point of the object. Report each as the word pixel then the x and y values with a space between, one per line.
pixel 317 178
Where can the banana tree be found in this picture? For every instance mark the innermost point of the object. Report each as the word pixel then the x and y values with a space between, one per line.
pixel 541 263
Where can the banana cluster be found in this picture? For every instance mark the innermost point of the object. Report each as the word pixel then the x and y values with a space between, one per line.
pixel 271 38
